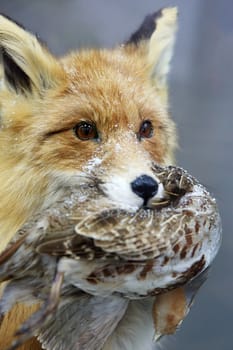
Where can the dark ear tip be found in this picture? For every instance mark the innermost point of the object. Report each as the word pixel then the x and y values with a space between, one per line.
pixel 146 29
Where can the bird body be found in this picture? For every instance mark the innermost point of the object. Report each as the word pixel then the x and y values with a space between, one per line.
pixel 85 251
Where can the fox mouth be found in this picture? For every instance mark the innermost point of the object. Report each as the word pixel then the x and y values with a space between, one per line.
pixel 170 185
pixel 148 192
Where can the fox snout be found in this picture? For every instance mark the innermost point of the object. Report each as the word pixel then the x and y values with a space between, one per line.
pixel 133 190
pixel 140 192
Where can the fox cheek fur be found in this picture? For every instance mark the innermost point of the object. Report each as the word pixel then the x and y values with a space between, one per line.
pixel 121 93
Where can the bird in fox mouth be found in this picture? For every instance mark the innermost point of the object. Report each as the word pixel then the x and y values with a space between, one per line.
pixel 119 244
pixel 86 260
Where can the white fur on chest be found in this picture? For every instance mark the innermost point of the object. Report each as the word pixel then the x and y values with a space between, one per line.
pixel 135 331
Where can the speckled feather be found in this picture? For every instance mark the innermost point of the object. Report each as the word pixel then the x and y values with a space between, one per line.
pixel 96 248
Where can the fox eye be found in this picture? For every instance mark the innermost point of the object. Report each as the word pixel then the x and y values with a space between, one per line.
pixel 146 130
pixel 86 131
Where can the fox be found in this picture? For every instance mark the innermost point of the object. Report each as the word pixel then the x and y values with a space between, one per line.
pixel 99 117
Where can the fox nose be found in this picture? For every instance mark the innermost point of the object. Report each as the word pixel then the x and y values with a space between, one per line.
pixel 145 187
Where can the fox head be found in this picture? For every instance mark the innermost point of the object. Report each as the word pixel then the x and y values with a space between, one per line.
pixel 97 117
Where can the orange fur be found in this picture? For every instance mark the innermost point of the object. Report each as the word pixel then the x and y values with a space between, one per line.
pixel 39 153
pixel 11 322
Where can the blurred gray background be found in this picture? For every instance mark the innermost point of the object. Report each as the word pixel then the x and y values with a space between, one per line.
pixel 201 103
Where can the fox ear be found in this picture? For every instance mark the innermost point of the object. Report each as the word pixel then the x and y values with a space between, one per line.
pixel 27 65
pixel 155 41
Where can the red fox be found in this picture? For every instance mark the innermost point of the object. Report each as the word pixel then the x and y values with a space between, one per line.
pixel 93 116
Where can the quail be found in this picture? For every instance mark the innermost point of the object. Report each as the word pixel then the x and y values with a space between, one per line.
pixel 84 259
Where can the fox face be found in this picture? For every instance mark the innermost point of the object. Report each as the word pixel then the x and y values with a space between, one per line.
pixel 94 117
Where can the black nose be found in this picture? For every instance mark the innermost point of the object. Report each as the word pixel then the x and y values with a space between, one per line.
pixel 145 187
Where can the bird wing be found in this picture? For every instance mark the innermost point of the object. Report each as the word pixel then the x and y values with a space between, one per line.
pixel 83 322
